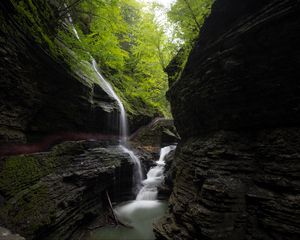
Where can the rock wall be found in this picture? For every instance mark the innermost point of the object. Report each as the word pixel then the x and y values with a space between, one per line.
pixel 54 195
pixel 237 109
pixel 243 71
pixel 39 94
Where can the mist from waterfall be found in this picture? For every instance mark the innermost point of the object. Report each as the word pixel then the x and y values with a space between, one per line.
pixel 155 177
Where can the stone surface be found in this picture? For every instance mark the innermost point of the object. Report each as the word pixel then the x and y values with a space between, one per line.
pixel 236 107
pixel 243 71
pixel 233 185
pixel 164 191
pixel 160 132
pixel 41 95
pixel 52 195
pixel 148 140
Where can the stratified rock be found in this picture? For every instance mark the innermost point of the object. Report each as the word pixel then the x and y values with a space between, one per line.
pixel 160 132
pixel 243 71
pixel 164 191
pixel 149 139
pixel 237 186
pixel 52 195
pixel 237 108
pixel 41 94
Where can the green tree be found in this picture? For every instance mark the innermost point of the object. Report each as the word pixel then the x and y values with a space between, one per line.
pixel 188 17
pixel 131 48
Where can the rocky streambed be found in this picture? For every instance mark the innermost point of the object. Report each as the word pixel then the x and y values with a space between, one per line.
pixel 61 193
pixel 50 195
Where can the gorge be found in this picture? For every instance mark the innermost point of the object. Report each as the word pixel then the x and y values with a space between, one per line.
pixel 89 149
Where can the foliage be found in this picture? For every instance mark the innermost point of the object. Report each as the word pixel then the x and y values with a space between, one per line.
pixel 32 19
pixel 187 18
pixel 131 49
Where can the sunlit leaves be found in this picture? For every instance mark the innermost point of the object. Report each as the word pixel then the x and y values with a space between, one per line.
pixel 131 48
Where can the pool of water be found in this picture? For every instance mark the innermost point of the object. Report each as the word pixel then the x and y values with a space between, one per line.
pixel 139 214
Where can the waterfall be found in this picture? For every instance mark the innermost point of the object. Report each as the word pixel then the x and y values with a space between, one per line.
pixel 155 177
pixel 123 125
pixel 137 170
pixel 108 88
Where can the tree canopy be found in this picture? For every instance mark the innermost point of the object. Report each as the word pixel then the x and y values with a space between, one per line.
pixel 131 45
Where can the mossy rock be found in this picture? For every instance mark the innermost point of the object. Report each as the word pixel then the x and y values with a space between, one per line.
pixel 31 207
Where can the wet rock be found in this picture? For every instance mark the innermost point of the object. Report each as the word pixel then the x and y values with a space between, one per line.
pixel 160 132
pixel 232 185
pixel 52 195
pixel 149 139
pixel 236 107
pixel 165 190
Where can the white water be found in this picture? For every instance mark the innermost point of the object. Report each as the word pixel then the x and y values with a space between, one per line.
pixel 140 213
pixel 155 177
pixel 137 171
pixel 106 86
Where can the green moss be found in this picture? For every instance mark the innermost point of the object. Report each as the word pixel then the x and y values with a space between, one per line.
pixel 36 21
pixel 29 210
pixel 140 93
pixel 18 172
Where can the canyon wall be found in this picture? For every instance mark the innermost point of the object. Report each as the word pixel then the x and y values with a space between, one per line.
pixel 236 107
pixel 40 94
pixel 56 194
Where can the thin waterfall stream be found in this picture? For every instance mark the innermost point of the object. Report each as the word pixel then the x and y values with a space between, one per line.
pixel 141 212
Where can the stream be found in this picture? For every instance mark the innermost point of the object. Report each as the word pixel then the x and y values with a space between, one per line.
pixel 141 212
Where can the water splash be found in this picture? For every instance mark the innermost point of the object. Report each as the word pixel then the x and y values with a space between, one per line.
pixel 123 124
pixel 137 170
pixel 155 177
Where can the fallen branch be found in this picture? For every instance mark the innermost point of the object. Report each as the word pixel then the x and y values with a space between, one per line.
pixel 111 208
pixel 117 221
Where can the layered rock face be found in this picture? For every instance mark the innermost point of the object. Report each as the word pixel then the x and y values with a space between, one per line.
pixel 243 71
pixel 52 195
pixel 237 109
pixel 39 95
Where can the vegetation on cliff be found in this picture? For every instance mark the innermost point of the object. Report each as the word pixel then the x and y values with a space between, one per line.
pixel 127 38
pixel 187 18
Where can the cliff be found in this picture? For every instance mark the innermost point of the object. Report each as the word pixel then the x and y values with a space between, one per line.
pixel 55 194
pixel 47 88
pixel 40 94
pixel 236 108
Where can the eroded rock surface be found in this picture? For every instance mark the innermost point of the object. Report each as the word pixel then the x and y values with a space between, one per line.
pixel 243 71
pixel 237 108
pixel 51 195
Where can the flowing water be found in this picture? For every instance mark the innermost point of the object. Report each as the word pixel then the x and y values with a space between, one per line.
pixel 155 177
pixel 142 212
pixel 137 171
pixel 106 86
